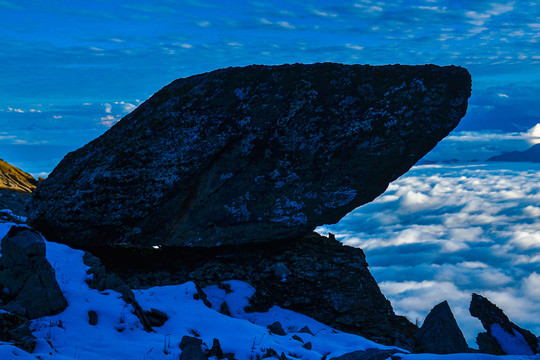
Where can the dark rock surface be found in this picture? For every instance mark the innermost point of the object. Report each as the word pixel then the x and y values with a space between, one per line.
pixel 440 333
pixel 276 328
pixel 530 155
pixel 327 281
pixel 15 329
pixel 28 280
pixel 369 354
pixel 503 337
pixel 253 154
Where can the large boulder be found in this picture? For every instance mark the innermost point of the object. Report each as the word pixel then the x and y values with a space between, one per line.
pixel 28 282
pixel 440 333
pixel 253 154
pixel 502 337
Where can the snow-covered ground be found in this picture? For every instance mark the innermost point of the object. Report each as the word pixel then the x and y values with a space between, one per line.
pixel 442 232
pixel 119 335
pixel 439 232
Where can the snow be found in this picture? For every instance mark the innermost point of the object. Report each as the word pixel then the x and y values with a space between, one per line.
pixel 119 334
pixel 511 344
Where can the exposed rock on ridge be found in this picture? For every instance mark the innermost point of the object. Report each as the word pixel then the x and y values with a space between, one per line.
pixel 440 333
pixel 14 179
pixel 15 189
pixel 502 337
pixel 251 154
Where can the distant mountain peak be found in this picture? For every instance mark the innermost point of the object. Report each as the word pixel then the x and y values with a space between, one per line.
pixel 530 155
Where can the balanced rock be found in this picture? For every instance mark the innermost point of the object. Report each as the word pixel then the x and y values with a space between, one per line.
pixel 440 333
pixel 26 277
pixel 502 337
pixel 252 154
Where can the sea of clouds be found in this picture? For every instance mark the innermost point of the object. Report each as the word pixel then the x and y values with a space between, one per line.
pixel 442 232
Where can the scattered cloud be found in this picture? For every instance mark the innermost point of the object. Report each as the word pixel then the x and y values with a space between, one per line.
pixel 108 120
pixel 354 47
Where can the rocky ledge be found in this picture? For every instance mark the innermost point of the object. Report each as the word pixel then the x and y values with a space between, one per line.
pixel 315 275
pixel 249 155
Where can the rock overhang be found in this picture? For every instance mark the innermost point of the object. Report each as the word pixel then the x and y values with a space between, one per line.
pixel 251 154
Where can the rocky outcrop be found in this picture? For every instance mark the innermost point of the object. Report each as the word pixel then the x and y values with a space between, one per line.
pixel 253 154
pixel 15 189
pixel 440 333
pixel 14 179
pixel 314 275
pixel 503 337
pixel 530 155
pixel 26 277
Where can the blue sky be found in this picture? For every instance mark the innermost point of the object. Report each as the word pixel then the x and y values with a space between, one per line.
pixel 71 69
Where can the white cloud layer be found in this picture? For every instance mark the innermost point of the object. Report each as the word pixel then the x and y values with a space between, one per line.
pixel 443 232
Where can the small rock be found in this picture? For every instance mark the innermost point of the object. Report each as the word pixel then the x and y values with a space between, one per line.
pixel 276 328
pixel 156 317
pixel 192 352
pixel 298 338
pixel 305 330
pixel 224 309
pixel 92 318
pixel 201 295
pixel 190 340
pixel 216 349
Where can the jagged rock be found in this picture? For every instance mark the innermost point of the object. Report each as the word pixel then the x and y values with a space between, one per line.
pixel 369 354
pixel 327 281
pixel 440 333
pixel 503 337
pixel 297 338
pixel 276 328
pixel 306 329
pixel 253 154
pixel 29 281
pixel 215 350
pixel 156 317
pixel 224 309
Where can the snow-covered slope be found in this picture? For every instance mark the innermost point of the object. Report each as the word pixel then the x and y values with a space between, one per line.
pixel 119 335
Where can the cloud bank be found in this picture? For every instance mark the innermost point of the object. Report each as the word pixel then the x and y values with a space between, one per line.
pixel 441 232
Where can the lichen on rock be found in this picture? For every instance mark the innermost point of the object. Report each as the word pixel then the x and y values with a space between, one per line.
pixel 309 143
